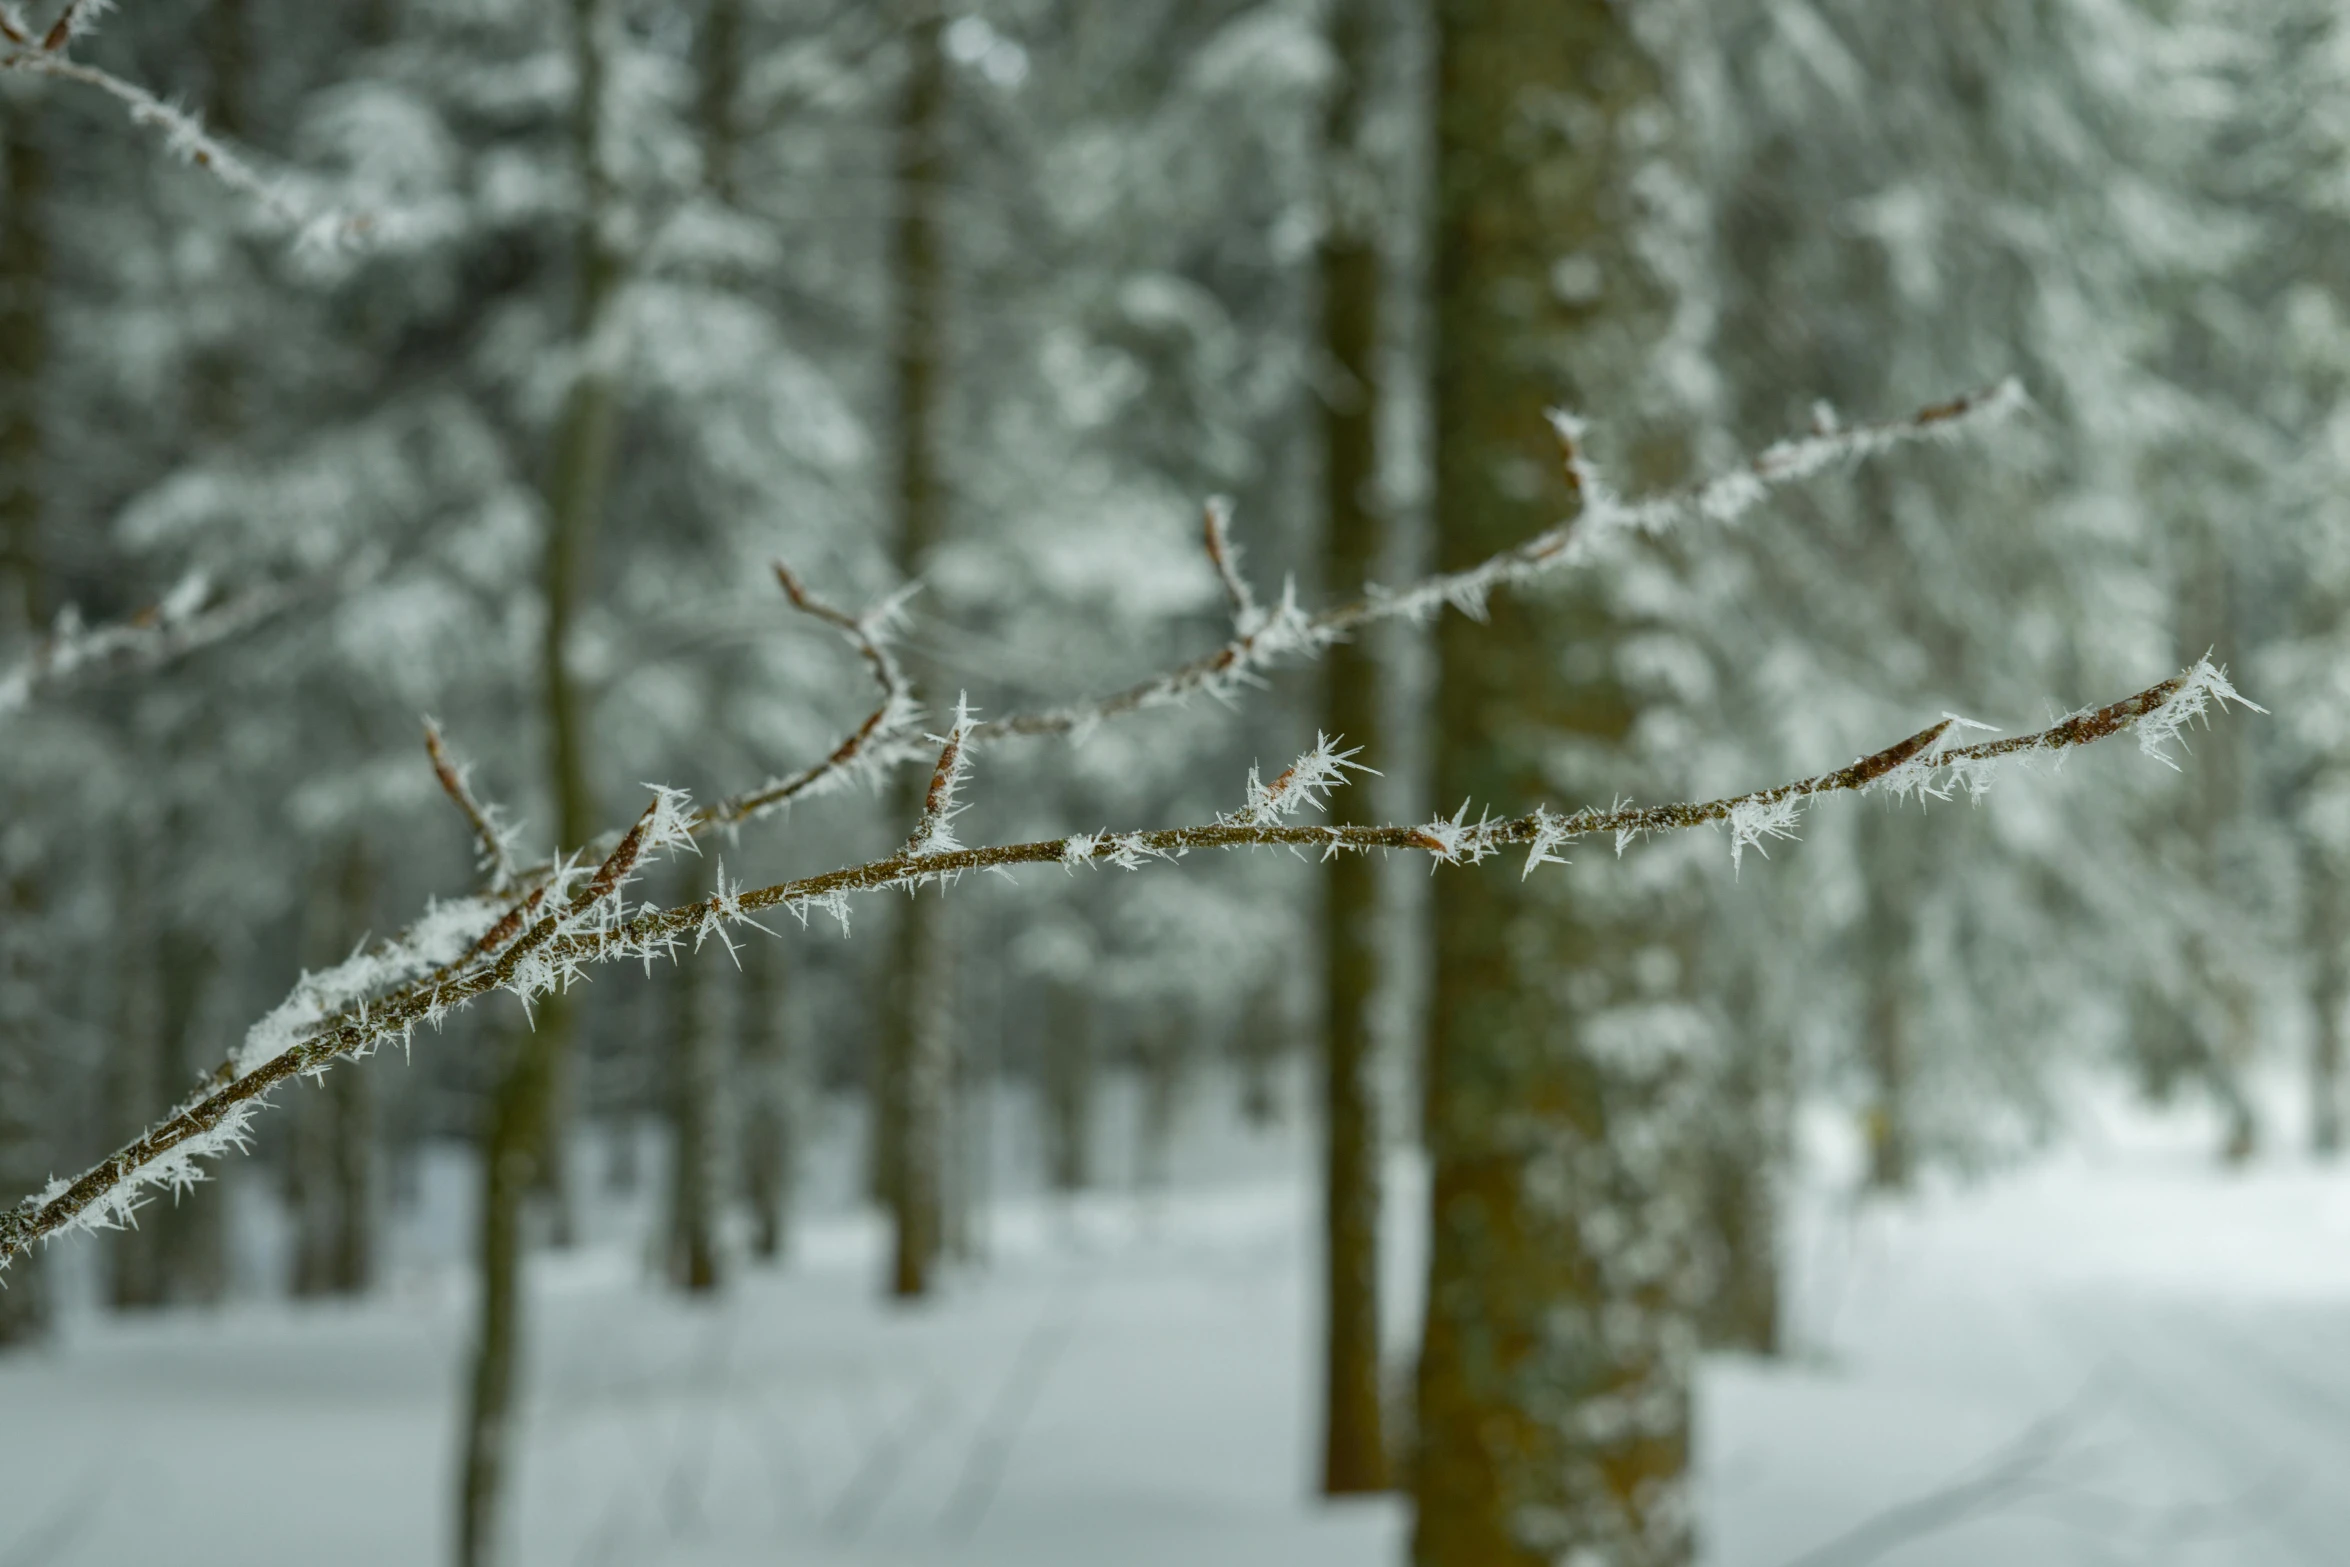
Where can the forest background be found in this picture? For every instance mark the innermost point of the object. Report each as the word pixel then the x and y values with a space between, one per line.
pixel 493 355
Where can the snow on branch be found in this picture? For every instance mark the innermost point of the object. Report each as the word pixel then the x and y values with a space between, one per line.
pixel 183 133
pixel 1262 637
pixel 934 834
pixel 546 940
pixel 188 618
pixel 493 835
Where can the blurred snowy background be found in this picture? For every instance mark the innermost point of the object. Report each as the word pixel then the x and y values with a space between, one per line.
pixel 2000 1140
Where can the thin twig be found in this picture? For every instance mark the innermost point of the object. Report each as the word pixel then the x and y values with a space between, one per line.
pixel 496 853
pixel 1263 637
pixel 183 134
pixel 888 734
pixel 187 619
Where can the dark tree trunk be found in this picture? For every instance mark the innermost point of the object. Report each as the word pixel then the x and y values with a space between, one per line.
pixel 526 1137
pixel 26 1154
pixel 770 1137
pixel 1159 1055
pixel 1066 1066
pixel 1744 1161
pixel 1354 1450
pixel 1886 1054
pixel 2329 943
pixel 696 1071
pixel 331 1172
pixel 1262 1043
pixel 24 357
pixel 1556 1357
pixel 915 1069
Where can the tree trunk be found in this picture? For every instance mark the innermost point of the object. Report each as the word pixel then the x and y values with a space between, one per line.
pixel 331 1172
pixel 524 1143
pixel 1743 1161
pixel 1159 1053
pixel 1557 1348
pixel 1066 1067
pixel 26 1155
pixel 24 356
pixel 189 1229
pixel 1354 1445
pixel 695 1073
pixel 917 1048
pixel 719 60
pixel 2329 944
pixel 1886 1047
pixel 917 1070
pixel 25 1151
pixel 770 1102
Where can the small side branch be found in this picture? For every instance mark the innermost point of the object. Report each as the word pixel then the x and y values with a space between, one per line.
pixel 183 133
pixel 1263 637
pixel 187 619
pixel 494 840
pixel 889 734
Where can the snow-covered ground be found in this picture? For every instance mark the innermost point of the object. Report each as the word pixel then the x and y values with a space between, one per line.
pixel 2117 1354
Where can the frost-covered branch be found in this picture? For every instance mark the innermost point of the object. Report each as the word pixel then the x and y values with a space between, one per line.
pixel 464 950
pixel 188 618
pixel 493 835
pixel 890 734
pixel 183 133
pixel 1262 637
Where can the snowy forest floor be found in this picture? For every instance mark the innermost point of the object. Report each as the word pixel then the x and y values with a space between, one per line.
pixel 2116 1353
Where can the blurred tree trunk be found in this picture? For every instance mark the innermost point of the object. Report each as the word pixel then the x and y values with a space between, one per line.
pixel 771 1132
pixel 1887 1050
pixel 178 1253
pixel 331 1171
pixel 25 1153
pixel 528 1124
pixel 1159 1051
pixel 24 357
pixel 1354 1444
pixel 1262 1042
pixel 1744 1160
pixel 1557 1349
pixel 696 1072
pixel 2329 946
pixel 915 1069
pixel 1066 1066
pixel 2220 789
pixel 719 62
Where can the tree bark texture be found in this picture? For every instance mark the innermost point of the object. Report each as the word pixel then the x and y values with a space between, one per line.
pixel 1559 1337
pixel 523 1143
pixel 1354 1444
pixel 915 1068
